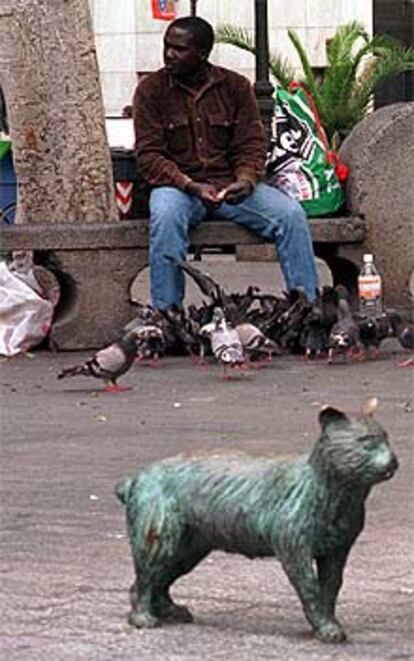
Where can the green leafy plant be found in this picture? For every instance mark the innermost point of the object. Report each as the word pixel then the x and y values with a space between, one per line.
pixel 357 66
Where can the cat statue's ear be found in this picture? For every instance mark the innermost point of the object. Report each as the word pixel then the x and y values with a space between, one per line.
pixel 370 406
pixel 330 414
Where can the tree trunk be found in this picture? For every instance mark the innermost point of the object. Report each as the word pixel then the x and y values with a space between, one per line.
pixel 49 74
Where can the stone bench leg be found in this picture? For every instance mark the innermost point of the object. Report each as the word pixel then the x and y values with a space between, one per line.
pixel 95 297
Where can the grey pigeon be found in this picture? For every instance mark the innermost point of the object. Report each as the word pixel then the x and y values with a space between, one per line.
pixel 150 341
pixel 180 330
pixel 314 336
pixel 225 341
pixel 255 342
pixel 107 364
pixel 403 330
pixel 344 335
pixel 146 314
pixel 147 329
pixel 373 330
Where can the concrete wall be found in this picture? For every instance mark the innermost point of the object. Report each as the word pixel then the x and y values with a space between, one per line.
pixel 130 40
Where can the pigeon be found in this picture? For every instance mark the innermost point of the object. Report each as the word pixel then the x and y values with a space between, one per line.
pixel 327 303
pixel 255 342
pixel 319 319
pixel 373 330
pixel 197 319
pixel 314 336
pixel 225 341
pixel 147 329
pixel 344 335
pixel 403 330
pixel 150 343
pixel 180 330
pixel 288 327
pixel 147 315
pixel 107 364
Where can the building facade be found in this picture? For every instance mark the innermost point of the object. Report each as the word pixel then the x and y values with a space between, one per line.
pixel 129 39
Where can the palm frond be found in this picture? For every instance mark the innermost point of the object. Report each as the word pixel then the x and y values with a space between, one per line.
pixel 381 45
pixel 281 70
pixel 340 47
pixel 343 60
pixel 357 66
pixel 236 36
pixel 383 42
pixel 309 77
pixel 279 67
pixel 388 64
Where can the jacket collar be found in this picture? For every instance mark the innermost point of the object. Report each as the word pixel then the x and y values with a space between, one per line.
pixel 215 75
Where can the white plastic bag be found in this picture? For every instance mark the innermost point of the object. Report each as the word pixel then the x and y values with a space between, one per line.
pixel 25 317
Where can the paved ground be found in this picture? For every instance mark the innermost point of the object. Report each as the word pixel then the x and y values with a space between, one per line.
pixel 65 559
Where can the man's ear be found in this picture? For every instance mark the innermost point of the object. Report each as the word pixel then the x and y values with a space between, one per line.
pixel 329 414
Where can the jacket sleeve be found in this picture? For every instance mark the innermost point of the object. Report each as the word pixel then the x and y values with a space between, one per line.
pixel 247 146
pixel 154 164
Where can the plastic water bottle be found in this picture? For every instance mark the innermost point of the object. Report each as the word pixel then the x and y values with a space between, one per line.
pixel 369 288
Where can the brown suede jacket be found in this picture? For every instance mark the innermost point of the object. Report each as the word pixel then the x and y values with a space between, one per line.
pixel 212 135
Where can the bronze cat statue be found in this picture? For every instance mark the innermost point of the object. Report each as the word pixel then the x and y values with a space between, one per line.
pixel 306 512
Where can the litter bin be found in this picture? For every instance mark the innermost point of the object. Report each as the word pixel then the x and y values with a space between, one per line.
pixel 8 187
pixel 130 190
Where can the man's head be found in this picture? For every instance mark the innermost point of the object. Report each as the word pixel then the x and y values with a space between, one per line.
pixel 187 45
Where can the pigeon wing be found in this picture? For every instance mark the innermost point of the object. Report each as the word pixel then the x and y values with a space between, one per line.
pixel 222 338
pixel 112 360
pixel 203 280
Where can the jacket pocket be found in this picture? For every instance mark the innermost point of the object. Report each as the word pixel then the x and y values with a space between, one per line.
pixel 177 134
pixel 221 130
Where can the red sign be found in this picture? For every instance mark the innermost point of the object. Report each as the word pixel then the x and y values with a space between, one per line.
pixel 163 9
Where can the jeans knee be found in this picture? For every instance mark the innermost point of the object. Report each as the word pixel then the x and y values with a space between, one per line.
pixel 170 212
pixel 296 220
pixel 296 212
pixel 168 227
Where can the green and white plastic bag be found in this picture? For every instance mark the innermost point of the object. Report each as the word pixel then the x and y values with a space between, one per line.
pixel 299 161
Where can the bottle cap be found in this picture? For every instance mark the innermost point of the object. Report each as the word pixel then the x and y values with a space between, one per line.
pixel 367 258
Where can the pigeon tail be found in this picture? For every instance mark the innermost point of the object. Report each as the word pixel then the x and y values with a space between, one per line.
pixel 84 369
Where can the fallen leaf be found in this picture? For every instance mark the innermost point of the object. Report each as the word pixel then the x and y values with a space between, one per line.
pixel 100 418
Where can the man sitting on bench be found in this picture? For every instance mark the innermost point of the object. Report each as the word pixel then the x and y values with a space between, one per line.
pixel 200 146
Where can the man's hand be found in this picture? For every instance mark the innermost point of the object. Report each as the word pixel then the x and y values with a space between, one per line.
pixel 206 192
pixel 236 192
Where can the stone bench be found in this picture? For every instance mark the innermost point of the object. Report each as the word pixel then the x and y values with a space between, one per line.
pixel 96 265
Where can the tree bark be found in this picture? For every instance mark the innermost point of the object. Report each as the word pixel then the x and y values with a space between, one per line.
pixel 49 74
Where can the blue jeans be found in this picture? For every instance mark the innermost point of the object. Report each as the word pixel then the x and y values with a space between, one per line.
pixel 267 211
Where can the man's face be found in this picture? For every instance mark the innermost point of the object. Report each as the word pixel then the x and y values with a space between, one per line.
pixel 181 55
